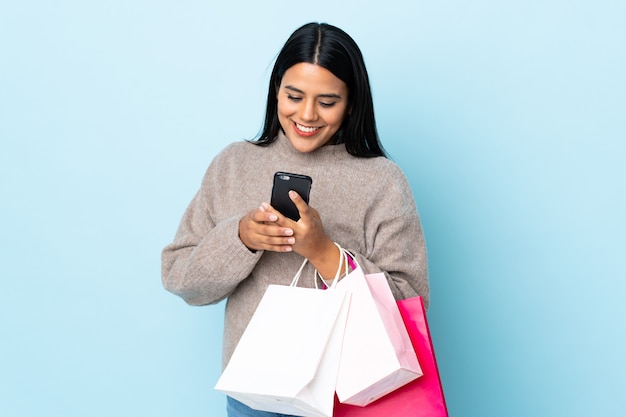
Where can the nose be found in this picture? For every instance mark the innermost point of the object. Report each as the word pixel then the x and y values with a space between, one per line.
pixel 307 111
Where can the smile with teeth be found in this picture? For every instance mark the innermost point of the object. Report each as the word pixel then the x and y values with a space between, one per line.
pixel 306 129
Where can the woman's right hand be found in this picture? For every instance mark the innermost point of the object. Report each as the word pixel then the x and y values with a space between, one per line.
pixel 258 231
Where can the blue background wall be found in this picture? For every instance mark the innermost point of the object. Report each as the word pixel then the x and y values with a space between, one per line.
pixel 508 118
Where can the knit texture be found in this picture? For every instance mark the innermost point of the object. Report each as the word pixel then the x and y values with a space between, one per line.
pixel 365 204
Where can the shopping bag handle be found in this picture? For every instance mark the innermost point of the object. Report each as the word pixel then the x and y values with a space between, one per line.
pixel 343 258
pixel 347 258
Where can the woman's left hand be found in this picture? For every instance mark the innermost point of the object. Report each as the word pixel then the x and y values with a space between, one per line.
pixel 311 240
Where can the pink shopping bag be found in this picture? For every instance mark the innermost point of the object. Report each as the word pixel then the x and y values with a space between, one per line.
pixel 377 356
pixel 421 398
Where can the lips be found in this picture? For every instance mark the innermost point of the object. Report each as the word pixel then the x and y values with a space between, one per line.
pixel 305 130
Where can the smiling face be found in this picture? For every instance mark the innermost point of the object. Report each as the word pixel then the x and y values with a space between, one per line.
pixel 312 103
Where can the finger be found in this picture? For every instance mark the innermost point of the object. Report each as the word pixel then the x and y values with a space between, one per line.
pixel 282 220
pixel 301 205
pixel 264 213
pixel 278 240
pixel 263 237
pixel 272 230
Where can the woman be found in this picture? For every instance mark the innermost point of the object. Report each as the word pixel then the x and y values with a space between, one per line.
pixel 319 122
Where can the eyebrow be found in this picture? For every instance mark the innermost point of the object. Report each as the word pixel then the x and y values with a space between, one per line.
pixel 297 90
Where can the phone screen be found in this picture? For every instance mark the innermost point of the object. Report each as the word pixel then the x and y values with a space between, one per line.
pixel 283 183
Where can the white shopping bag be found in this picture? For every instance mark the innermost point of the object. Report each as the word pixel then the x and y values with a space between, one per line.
pixel 377 355
pixel 288 357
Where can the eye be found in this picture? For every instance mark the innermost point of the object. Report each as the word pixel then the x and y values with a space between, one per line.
pixel 294 98
pixel 327 105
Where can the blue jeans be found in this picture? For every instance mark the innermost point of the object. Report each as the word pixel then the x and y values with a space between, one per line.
pixel 236 409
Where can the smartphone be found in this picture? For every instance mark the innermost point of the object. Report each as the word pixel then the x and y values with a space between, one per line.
pixel 285 181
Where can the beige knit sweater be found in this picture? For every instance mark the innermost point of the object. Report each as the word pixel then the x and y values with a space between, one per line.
pixel 365 205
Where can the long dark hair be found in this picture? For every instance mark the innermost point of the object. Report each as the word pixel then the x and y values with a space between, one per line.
pixel 333 49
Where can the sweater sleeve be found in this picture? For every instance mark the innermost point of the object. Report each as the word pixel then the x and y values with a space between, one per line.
pixel 400 252
pixel 394 238
pixel 206 261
